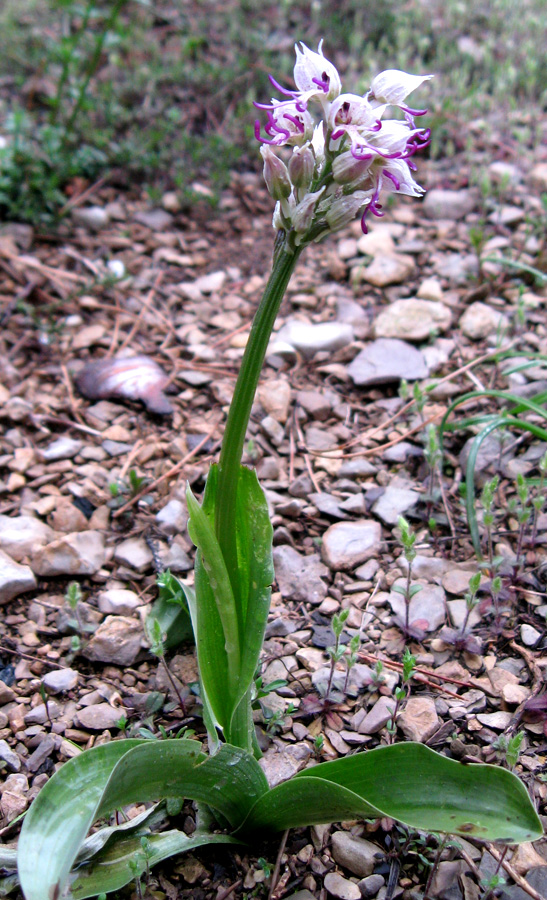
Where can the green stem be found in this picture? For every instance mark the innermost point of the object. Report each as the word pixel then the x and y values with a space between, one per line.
pixel 242 401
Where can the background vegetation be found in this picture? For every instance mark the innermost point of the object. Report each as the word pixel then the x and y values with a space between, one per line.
pixel 162 91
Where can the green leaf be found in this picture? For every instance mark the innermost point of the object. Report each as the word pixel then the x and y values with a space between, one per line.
pixel 123 860
pixel 113 775
pixel 172 615
pixel 410 783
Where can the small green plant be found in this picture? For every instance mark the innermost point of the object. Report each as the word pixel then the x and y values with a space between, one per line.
pixel 520 414
pixel 433 456
pixel 402 692
pixel 509 748
pixel 338 651
pixel 408 590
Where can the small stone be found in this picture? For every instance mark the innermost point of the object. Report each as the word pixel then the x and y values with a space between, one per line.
pixel 119 602
pixel 211 283
pixel 10 758
pixel 171 202
pixel 340 887
pixel 92 217
pixel 357 468
pixel 41 714
pixel 370 886
pixel 60 680
pixel 79 553
pixel 388 269
pixel 354 853
pixel 387 360
pixel 309 339
pixel 12 804
pixel 173 517
pixel 347 248
pixel 505 172
pixel 525 858
pixel 430 289
pixel 412 320
pixel 99 717
pixel 316 404
pixel 514 694
pixel 507 215
pixel 42 752
pixel 88 336
pixel 456 581
pixel 299 577
pixel 155 219
pixel 530 636
pixel 67 518
pixel 280 765
pixel 117 640
pixel 538 176
pixel 426 568
pixel 273 430
pixel 378 240
pixel 445 879
pixel 480 320
pixel 498 721
pixel 347 544
pixel 21 535
pixel 275 397
pixel 378 716
pixel 14 578
pixel 457 267
pixel 419 720
pixel 457 611
pixel 64 447
pixel 397 498
pixel 135 553
pixel 443 204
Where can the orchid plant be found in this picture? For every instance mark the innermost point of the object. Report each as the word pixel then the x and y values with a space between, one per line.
pixel 335 170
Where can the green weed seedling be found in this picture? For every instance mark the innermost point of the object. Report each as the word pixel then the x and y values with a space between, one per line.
pixel 407 590
pixel 401 693
pixel 330 179
pixel 509 748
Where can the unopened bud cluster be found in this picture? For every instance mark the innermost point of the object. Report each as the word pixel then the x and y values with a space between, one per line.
pixel 338 166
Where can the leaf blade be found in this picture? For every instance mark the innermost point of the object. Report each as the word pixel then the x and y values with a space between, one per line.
pixel 483 801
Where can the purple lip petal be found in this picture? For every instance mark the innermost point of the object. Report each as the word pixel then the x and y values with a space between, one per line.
pixel 413 112
pixel 377 126
pixel 263 105
pixel 281 89
pixel 296 122
pixel 392 178
pixel 337 134
pixel 364 227
pixel 365 154
pixel 411 165
pixel 323 84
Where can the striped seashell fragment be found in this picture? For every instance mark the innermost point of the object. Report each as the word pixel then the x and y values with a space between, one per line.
pixel 130 378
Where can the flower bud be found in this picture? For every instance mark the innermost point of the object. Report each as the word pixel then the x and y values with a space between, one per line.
pixel 345 209
pixel 301 166
pixel 276 174
pixel 305 211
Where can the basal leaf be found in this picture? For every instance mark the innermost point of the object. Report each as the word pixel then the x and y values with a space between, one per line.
pixel 113 775
pixel 410 783
pixel 123 860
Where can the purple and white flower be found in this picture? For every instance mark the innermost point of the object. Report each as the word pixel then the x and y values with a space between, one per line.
pixel 339 166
